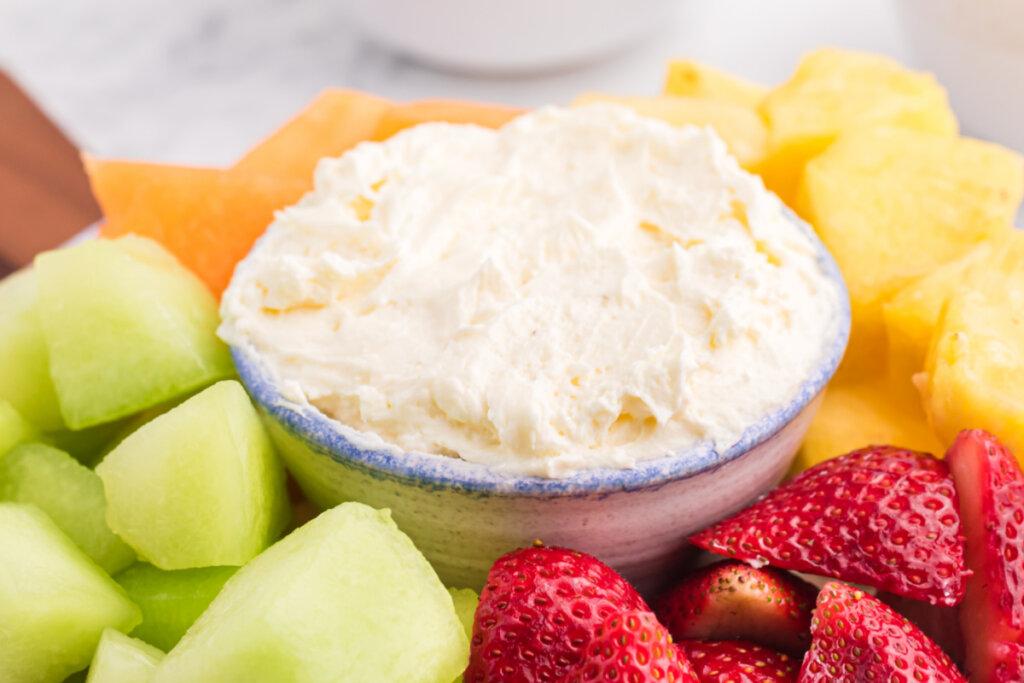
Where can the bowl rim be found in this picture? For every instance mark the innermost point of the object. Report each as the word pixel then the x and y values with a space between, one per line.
pixel 446 472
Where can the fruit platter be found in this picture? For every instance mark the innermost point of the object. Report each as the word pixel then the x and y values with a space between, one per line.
pixel 715 385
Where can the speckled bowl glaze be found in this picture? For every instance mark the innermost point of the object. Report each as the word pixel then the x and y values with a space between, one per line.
pixel 463 515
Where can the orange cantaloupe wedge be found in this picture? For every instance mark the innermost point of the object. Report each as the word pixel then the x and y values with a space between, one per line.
pixel 208 218
pixel 334 122
pixel 405 116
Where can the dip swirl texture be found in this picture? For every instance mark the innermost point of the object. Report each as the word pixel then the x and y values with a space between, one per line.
pixel 582 288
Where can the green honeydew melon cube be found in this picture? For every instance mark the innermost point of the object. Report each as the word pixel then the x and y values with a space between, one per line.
pixel 54 601
pixel 170 600
pixel 199 486
pixel 122 659
pixel 13 428
pixel 466 600
pixel 127 327
pixel 346 597
pixel 71 494
pixel 24 362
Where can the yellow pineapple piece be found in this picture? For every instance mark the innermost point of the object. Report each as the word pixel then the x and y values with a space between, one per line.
pixel 693 79
pixel 833 91
pixel 739 126
pixel 913 313
pixel 863 413
pixel 893 205
pixel 975 366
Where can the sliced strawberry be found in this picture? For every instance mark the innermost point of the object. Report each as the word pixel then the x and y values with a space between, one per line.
pixel 882 516
pixel 737 661
pixel 732 600
pixel 991 489
pixel 857 638
pixel 940 623
pixel 1009 663
pixel 632 647
pixel 539 610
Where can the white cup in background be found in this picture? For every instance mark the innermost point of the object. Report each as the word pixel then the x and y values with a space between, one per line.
pixel 507 36
pixel 976 49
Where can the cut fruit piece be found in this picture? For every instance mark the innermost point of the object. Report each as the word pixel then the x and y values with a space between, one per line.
pixel 24 362
pixel 629 646
pixel 208 218
pixel 347 597
pixel 538 611
pixel 465 600
pixel 732 600
pixel 122 659
pixel 834 91
pixel 171 600
pixel 991 489
pixel 54 601
pixel 127 328
pixel 975 366
pixel 86 445
pixel 912 314
pixel 693 79
pixel 404 116
pixel 881 516
pixel 1009 663
pixel 334 122
pixel 736 661
pixel 869 410
pixel 893 205
pixel 199 486
pixel 857 638
pixel 71 494
pixel 13 429
pixel 739 126
pixel 940 624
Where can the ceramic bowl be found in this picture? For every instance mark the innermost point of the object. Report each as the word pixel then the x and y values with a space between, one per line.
pixel 464 515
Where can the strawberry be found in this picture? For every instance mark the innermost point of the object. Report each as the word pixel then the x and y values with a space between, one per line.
pixel 737 661
pixel 632 647
pixel 538 612
pixel 882 516
pixel 940 623
pixel 1009 663
pixel 732 600
pixel 858 638
pixel 991 489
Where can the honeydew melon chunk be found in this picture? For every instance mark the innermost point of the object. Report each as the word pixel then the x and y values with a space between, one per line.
pixel 71 494
pixel 170 600
pixel 123 659
pixel 347 597
pixel 127 328
pixel 13 428
pixel 466 600
pixel 24 362
pixel 199 486
pixel 54 601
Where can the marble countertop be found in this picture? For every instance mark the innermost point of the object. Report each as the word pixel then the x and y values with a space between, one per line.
pixel 199 81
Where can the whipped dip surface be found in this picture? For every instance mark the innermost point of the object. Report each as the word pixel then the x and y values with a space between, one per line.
pixel 582 288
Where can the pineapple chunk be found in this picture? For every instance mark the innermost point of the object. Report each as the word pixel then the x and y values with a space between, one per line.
pixel 834 91
pixel 865 412
pixel 894 204
pixel 739 126
pixel 975 366
pixel 913 313
pixel 694 79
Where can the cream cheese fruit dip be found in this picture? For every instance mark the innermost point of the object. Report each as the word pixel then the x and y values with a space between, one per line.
pixel 582 288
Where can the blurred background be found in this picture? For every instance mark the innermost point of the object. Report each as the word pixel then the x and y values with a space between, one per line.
pixel 200 81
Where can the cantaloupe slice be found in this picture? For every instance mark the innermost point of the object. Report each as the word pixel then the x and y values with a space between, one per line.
pixel 332 123
pixel 207 217
pixel 451 111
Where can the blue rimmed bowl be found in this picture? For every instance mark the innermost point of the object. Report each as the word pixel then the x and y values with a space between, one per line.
pixel 464 515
